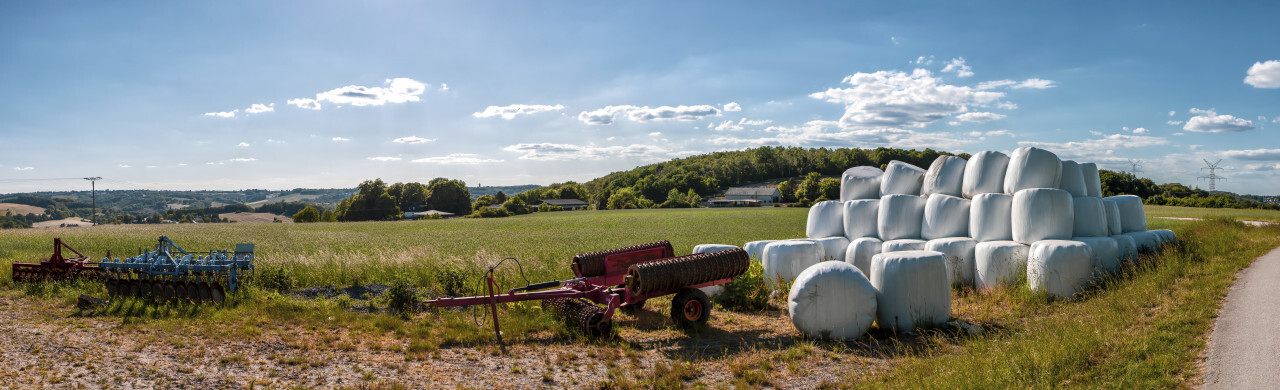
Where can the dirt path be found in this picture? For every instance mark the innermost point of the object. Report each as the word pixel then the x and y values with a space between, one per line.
pixel 1244 351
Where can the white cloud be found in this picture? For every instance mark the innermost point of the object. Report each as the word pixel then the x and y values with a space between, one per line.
pixel 444 87
pixel 243 145
pixel 568 152
pixel 1099 149
pixel 758 122
pixel 979 117
pixel 897 99
pixel 23 168
pixel 1035 84
pixel 124 166
pixel 726 126
pixel 1173 123
pixel 1141 131
pixel 510 112
pixel 606 115
pixel 894 40
pixel 310 104
pixel 732 107
pixel 457 159
pixel 1172 113
pixel 830 134
pixel 223 114
pixel 1195 147
pixel 1095 132
pixel 957 65
pixel 340 139
pixel 1254 154
pixel 260 108
pixel 398 90
pixel 413 139
pixel 1007 105
pixel 995 84
pixel 383 159
pixel 1209 121
pixel 242 159
pixel 922 60
pixel 655 134
pixel 1264 74
pixel 182 164
pixel 603 116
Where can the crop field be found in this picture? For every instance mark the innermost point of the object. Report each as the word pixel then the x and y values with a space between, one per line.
pixel 1197 212
pixel 1143 328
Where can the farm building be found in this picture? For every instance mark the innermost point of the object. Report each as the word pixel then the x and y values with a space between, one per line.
pixel 766 195
pixel 735 203
pixel 428 213
pixel 567 204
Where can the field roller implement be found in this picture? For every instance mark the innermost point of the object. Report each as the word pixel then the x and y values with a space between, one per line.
pixel 622 278
pixel 57 267
pixel 171 273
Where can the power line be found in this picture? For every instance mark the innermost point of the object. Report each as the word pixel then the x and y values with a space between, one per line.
pixel 1213 176
pixel 1133 167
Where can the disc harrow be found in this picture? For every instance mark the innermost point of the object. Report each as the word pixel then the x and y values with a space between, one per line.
pixel 170 273
pixel 57 267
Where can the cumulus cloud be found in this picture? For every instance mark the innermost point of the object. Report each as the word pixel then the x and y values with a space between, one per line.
pixel 979 117
pixel 1172 113
pixel 457 159
pixel 413 139
pixel 984 135
pixel 1208 121
pixel 307 103
pixel 510 112
pixel 242 159
pixel 1100 149
pixel 1173 123
pixel 222 114
pixel 243 145
pixel 758 122
pixel 732 107
pixel 957 65
pixel 726 126
pixel 1254 154
pixel 1035 84
pixel 1264 74
pixel 831 134
pixel 922 60
pixel 260 108
pixel 607 115
pixel 383 159
pixel 23 168
pixel 1141 131
pixel 340 139
pixel 897 99
pixel 397 90
pixel 568 152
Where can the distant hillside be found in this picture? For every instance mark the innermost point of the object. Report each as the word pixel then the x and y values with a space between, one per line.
pixel 477 192
pixel 20 209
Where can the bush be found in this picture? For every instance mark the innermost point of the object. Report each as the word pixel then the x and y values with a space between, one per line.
pixel 747 291
pixel 402 298
pixel 452 280
pixel 274 279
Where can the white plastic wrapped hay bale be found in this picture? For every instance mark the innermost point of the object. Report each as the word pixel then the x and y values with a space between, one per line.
pixel 1072 179
pixel 1146 241
pixel 945 176
pixel 997 263
pixel 901 178
pixel 1092 182
pixel 991 217
pixel 1090 217
pixel 1127 248
pixel 900 216
pixel 833 247
pixel 1032 168
pixel 860 218
pixel 911 289
pixel 786 259
pixel 712 291
pixel 1042 214
pixel 832 300
pixel 1132 216
pixel 1113 217
pixel 960 258
pixel 984 173
pixel 860 252
pixel 1060 267
pixel 1166 236
pixel 903 245
pixel 826 219
pixel 860 183
pixel 1106 254
pixel 945 216
pixel 756 249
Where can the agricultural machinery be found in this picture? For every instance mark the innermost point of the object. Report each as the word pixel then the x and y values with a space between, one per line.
pixel 57 267
pixel 170 272
pixel 622 278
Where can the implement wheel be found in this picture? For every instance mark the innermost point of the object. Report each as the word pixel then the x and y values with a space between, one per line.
pixel 690 308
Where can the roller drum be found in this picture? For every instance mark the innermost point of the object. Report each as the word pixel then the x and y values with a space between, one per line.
pixel 592 264
pixel 678 272
pixel 580 314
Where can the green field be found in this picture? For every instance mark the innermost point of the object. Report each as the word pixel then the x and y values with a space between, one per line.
pixel 1196 212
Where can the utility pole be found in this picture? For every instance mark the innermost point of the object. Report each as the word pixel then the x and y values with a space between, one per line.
pixel 1213 175
pixel 93 186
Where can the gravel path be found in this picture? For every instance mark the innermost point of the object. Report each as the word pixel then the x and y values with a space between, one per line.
pixel 1244 352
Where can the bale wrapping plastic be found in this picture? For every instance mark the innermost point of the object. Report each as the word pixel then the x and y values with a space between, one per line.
pixel 903 245
pixel 1092 182
pixel 991 217
pixel 1113 217
pixel 826 219
pixel 1166 236
pixel 901 178
pixel 1060 267
pixel 1042 214
pixel 911 289
pixel 984 173
pixel 1032 168
pixel 1090 217
pixel 997 263
pixel 1106 254
pixel 832 300
pixel 1072 179
pixel 945 216
pixel 960 258
pixel 786 259
pixel 900 216
pixel 1132 217
pixel 860 252
pixel 756 249
pixel 945 176
pixel 1127 248
pixel 860 218
pixel 1146 241
pixel 833 247
pixel 860 183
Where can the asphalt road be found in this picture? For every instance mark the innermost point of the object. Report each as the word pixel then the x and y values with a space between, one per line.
pixel 1244 352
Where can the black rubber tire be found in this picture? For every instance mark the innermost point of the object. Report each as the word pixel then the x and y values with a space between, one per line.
pixel 690 308
pixel 634 308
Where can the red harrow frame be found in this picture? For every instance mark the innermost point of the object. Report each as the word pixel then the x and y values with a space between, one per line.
pixel 57 267
pixel 622 278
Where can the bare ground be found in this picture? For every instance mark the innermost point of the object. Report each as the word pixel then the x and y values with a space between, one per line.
pixel 254 217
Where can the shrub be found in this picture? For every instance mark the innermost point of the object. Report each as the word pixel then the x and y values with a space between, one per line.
pixel 275 279
pixel 452 280
pixel 747 291
pixel 402 298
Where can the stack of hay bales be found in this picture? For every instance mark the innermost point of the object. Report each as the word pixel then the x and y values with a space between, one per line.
pixel 990 219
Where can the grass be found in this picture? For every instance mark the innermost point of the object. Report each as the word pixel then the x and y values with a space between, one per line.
pixel 1196 212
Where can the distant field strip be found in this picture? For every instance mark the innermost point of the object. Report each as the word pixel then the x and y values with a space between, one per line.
pixel 1197 212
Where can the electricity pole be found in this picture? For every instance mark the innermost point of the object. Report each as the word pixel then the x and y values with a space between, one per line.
pixel 93 186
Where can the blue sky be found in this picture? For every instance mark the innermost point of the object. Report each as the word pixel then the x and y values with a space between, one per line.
pixel 280 94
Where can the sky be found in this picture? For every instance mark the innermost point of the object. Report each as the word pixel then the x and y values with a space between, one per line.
pixel 233 95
